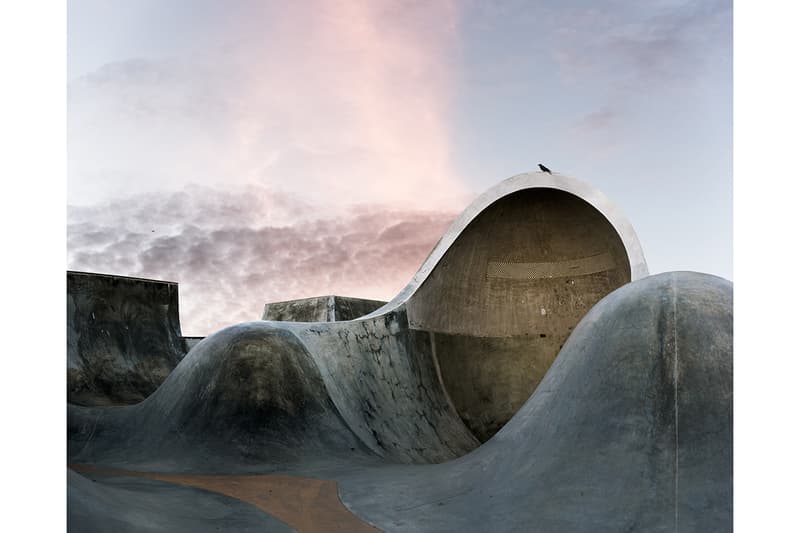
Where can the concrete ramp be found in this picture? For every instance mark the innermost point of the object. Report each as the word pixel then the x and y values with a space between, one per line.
pixel 123 337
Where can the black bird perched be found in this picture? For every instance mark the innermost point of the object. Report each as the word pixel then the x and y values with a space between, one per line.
pixel 544 168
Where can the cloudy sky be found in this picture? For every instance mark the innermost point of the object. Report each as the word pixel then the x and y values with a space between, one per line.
pixel 257 151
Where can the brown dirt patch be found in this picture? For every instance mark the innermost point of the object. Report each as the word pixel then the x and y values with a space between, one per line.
pixel 308 505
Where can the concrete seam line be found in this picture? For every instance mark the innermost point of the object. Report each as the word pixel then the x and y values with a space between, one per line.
pixel 675 373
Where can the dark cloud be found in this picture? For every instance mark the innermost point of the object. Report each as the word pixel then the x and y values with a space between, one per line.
pixel 233 251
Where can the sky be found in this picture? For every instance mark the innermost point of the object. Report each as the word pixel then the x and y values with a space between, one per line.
pixel 262 151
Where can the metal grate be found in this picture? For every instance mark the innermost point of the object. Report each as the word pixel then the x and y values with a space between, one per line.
pixel 559 269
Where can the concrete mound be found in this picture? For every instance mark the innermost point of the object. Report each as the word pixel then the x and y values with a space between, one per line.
pixel 630 430
pixel 256 395
pixel 248 395
pixel 123 337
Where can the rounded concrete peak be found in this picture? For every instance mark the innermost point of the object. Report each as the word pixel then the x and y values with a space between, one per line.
pixel 507 187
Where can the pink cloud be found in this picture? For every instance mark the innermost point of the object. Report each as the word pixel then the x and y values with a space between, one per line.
pixel 228 267
pixel 338 101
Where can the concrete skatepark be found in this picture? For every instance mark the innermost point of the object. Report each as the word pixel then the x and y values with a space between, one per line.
pixel 530 377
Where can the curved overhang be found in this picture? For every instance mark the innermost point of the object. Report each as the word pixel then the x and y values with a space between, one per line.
pixel 514 184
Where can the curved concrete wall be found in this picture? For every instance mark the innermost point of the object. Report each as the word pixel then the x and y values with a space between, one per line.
pixel 508 292
pixel 506 295
pixel 529 180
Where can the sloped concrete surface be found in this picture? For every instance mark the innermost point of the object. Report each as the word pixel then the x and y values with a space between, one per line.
pixel 630 430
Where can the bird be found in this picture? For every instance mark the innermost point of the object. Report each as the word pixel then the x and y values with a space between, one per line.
pixel 544 168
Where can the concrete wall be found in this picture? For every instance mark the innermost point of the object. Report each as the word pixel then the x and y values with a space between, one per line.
pixel 315 309
pixel 346 308
pixel 319 309
pixel 123 337
pixel 506 295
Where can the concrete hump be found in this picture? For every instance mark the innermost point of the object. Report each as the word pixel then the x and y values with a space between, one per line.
pixel 630 430
pixel 123 337
pixel 249 394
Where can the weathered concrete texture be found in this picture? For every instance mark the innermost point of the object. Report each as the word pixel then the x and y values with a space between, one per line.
pixel 123 337
pixel 132 505
pixel 382 376
pixel 630 430
pixel 319 309
pixel 244 398
pixel 259 394
pixel 347 308
pixel 506 295
pixel 489 378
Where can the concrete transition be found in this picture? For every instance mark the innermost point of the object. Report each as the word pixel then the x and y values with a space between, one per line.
pixel 602 396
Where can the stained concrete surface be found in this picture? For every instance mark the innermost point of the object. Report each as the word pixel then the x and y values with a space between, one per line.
pixel 307 504
pixel 123 337
pixel 629 430
pixel 125 504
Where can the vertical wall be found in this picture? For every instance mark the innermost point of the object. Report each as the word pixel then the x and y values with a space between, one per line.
pixel 123 337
